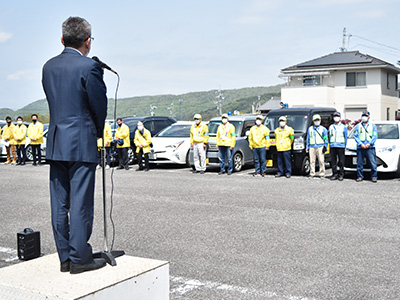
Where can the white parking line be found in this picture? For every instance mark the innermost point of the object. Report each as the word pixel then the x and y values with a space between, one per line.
pixel 11 254
pixel 185 285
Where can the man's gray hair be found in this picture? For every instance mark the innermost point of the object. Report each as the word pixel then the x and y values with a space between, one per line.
pixel 76 31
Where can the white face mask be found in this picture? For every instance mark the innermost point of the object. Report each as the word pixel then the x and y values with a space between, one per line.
pixel 336 119
pixel 364 119
pixel 224 121
pixel 282 123
pixel 198 121
pixel 19 122
pixel 258 122
pixel 317 123
pixel 140 128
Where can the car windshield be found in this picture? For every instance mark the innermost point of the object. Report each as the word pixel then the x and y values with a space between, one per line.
pixel 385 132
pixel 131 123
pixel 213 127
pixel 175 131
pixel 299 122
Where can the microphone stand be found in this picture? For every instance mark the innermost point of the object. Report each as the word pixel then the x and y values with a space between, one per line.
pixel 108 255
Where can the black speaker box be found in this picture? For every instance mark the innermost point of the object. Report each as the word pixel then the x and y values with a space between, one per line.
pixel 28 244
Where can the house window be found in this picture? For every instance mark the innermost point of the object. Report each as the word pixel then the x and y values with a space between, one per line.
pixel 388 113
pixel 388 81
pixel 356 79
pixel 311 80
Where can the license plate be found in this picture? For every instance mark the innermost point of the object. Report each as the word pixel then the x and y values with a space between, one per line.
pixel 153 156
pixel 270 163
pixel 355 160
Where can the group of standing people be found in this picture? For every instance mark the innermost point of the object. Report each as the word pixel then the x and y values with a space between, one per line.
pixel 317 142
pixel 142 141
pixel 17 137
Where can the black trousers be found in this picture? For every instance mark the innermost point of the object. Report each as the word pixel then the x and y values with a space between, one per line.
pixel 140 160
pixel 337 160
pixel 21 153
pixel 36 154
pixel 123 157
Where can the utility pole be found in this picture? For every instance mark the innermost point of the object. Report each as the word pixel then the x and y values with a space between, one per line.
pixel 343 48
pixel 171 110
pixel 152 108
pixel 218 102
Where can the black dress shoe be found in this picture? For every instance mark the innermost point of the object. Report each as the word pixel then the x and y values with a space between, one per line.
pixel 65 266
pixel 95 264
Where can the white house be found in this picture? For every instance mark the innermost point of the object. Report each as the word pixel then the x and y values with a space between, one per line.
pixel 348 81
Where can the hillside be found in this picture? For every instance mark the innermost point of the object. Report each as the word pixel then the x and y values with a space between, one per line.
pixel 195 102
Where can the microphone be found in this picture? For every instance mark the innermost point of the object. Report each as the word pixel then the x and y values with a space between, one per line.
pixel 103 65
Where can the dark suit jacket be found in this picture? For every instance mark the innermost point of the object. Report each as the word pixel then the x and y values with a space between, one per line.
pixel 77 100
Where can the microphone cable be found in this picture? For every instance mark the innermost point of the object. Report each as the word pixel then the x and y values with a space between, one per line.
pixel 113 169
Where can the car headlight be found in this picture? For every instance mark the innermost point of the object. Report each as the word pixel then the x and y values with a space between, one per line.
pixel 386 149
pixel 175 146
pixel 298 144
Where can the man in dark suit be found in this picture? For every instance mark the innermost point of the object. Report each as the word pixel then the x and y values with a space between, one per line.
pixel 76 94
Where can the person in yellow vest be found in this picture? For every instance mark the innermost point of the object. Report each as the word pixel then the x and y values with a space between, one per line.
pixel 226 140
pixel 365 135
pixel 107 134
pixel 198 140
pixel 20 137
pixel 142 142
pixel 259 143
pixel 35 133
pixel 317 142
pixel 337 146
pixel 123 144
pixel 284 136
pixel 8 137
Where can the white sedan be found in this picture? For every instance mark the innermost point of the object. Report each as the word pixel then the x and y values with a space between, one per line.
pixel 387 148
pixel 172 144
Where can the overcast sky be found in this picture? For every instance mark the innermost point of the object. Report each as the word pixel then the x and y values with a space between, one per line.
pixel 180 46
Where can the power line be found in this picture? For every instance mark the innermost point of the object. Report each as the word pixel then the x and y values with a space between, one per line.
pixel 377 43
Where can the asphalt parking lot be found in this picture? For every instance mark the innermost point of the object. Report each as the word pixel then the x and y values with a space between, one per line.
pixel 234 237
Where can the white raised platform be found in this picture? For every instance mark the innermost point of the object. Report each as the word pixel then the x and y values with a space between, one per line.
pixel 40 278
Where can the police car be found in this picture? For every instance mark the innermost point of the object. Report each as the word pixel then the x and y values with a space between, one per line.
pixel 387 148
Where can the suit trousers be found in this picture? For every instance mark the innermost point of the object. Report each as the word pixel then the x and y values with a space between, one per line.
pixel 36 153
pixel 123 157
pixel 72 202
pixel 337 160
pixel 314 153
pixel 140 160
pixel 21 153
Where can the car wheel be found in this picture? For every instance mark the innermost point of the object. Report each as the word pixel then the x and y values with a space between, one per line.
pixel 398 168
pixel 237 162
pixel 29 155
pixel 131 156
pixel 187 159
pixel 305 166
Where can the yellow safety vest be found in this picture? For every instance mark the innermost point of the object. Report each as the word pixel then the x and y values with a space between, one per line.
pixel 315 138
pixel 336 135
pixel 365 135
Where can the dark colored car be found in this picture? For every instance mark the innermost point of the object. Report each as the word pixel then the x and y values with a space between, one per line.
pixel 153 124
pixel 300 119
